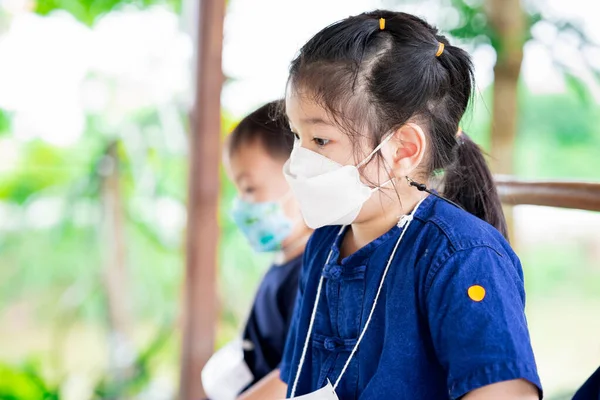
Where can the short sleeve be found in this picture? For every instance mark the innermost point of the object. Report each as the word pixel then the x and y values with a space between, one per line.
pixel 475 309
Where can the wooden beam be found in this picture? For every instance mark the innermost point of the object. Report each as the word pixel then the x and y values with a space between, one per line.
pixel 199 300
pixel 572 194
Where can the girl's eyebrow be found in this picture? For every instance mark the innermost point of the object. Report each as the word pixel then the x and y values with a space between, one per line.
pixel 314 121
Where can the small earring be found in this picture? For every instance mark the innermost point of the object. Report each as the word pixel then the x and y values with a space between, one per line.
pixel 420 186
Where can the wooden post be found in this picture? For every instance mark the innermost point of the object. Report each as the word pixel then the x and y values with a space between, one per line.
pixel 508 21
pixel 199 299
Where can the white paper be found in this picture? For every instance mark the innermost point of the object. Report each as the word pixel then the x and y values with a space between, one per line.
pixel 226 374
pixel 325 393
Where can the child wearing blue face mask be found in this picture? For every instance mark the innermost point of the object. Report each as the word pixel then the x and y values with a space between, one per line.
pixel 406 292
pixel 268 215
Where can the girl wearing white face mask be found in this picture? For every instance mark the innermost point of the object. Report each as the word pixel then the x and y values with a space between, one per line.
pixel 406 292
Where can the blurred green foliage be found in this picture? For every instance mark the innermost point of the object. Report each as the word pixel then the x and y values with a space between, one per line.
pixel 25 383
pixel 29 382
pixel 557 137
pixel 4 123
pixel 88 11
pixel 140 374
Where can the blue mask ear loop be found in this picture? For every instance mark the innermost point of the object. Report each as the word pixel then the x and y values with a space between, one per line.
pixel 423 188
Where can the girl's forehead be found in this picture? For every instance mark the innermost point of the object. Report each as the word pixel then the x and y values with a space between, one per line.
pixel 301 110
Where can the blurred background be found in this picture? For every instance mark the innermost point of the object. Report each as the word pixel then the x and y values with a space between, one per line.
pixel 94 103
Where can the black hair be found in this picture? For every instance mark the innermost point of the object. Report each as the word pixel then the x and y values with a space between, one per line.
pixel 267 126
pixel 373 81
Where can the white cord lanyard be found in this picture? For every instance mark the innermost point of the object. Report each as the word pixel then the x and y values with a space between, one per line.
pixel 404 221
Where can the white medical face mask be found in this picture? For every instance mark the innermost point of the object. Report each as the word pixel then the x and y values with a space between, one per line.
pixel 328 193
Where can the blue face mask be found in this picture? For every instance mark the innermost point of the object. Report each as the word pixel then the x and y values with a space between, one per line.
pixel 264 224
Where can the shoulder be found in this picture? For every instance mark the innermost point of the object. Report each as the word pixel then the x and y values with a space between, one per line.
pixel 449 235
pixel 460 230
pixel 287 269
pixel 472 294
pixel 279 277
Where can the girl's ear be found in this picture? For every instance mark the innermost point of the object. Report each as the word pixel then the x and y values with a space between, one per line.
pixel 405 150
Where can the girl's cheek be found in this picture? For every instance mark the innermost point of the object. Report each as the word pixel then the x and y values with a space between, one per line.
pixel 341 154
pixel 374 174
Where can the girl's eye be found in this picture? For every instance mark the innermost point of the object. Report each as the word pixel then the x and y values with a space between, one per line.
pixel 320 142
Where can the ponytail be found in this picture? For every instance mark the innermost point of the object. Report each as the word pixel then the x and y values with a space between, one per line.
pixel 469 182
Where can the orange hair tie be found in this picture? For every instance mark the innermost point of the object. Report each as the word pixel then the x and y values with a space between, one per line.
pixel 381 24
pixel 440 49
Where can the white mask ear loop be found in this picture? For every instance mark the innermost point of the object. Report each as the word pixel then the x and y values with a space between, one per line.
pixel 370 156
pixel 375 150
pixel 373 190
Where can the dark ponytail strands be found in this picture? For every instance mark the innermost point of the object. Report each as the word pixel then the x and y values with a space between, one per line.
pixel 469 182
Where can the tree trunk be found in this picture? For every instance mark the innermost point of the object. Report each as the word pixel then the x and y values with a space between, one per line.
pixel 199 313
pixel 508 22
pixel 116 280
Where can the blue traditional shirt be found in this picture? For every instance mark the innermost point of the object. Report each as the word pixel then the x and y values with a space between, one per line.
pixel 450 317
